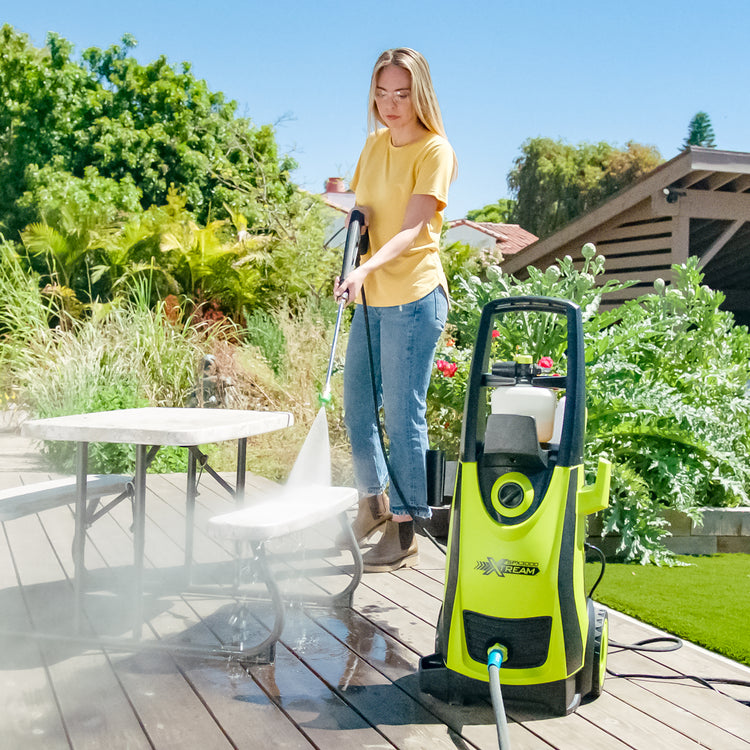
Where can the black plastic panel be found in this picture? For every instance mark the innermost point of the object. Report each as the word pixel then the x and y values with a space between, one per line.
pixel 526 638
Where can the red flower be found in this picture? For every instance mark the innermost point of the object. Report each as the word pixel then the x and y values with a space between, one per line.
pixel 495 334
pixel 448 369
pixel 546 363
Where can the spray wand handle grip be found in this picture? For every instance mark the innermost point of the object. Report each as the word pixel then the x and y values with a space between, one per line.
pixel 352 244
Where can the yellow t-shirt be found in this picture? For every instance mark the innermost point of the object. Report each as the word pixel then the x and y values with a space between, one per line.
pixel 385 179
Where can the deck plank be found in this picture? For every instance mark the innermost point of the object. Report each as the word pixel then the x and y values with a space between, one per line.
pixel 710 708
pixel 394 713
pixel 632 726
pixel 96 710
pixel 209 704
pixel 395 661
pixel 239 703
pixel 668 710
pixel 569 731
pixel 690 659
pixel 30 715
pixel 170 710
pixel 282 727
pixel 413 635
pixel 301 687
pixel 342 677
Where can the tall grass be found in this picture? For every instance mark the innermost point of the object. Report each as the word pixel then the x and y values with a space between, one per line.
pixel 130 354
pixel 307 338
pixel 23 314
pixel 264 332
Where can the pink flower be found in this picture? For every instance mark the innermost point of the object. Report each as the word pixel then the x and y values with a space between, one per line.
pixel 546 363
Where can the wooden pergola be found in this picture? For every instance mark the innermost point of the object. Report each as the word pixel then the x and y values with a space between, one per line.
pixel 697 204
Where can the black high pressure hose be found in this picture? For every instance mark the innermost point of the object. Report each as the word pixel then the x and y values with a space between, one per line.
pixel 419 523
pixel 355 242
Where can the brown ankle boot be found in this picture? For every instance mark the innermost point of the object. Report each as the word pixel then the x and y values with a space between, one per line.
pixel 372 514
pixel 396 549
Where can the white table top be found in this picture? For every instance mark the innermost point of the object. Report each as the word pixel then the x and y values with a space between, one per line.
pixel 158 426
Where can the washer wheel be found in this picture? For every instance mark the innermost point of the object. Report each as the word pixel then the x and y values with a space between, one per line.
pixel 601 643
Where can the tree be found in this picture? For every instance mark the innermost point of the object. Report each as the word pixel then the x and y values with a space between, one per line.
pixel 700 132
pixel 154 125
pixel 497 213
pixel 554 182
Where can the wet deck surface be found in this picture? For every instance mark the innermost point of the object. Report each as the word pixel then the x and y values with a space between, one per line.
pixel 343 678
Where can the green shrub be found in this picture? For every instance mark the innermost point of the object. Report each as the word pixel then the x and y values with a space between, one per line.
pixel 666 389
pixel 667 402
pixel 263 330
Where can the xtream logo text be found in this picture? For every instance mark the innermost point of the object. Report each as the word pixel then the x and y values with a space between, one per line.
pixel 505 567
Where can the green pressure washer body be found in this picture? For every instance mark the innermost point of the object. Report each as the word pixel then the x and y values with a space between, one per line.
pixel 515 559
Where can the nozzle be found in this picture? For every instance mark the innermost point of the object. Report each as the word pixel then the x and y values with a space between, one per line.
pixel 325 398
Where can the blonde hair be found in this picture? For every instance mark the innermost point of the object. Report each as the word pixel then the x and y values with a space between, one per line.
pixel 423 94
pixel 422 91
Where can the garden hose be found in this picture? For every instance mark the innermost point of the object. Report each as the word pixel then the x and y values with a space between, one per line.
pixel 495 656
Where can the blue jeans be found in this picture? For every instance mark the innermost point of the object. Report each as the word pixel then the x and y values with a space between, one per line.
pixel 404 338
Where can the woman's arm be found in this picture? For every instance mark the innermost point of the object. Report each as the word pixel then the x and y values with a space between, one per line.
pixel 419 212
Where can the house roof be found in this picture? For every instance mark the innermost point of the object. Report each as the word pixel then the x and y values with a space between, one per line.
pixel 697 204
pixel 511 238
pixel 343 202
pixel 692 170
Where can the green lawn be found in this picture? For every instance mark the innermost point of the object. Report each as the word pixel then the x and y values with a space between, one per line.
pixel 707 602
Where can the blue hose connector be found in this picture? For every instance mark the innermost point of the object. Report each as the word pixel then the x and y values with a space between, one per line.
pixel 496 655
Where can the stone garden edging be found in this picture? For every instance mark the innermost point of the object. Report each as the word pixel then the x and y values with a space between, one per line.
pixel 722 530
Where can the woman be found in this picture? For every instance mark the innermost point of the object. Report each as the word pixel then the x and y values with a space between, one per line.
pixel 401 186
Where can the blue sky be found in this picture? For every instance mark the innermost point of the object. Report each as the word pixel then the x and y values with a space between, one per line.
pixel 504 71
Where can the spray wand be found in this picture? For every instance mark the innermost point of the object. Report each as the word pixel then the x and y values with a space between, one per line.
pixel 355 243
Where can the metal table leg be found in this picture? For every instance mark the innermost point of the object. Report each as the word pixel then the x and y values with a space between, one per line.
pixel 139 537
pixel 265 651
pixel 239 490
pixel 192 491
pixel 79 540
pixel 345 597
pixel 239 499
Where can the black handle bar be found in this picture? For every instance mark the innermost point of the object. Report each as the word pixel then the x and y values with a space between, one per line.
pixel 355 243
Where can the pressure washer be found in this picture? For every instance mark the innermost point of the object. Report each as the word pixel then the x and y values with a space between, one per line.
pixel 515 618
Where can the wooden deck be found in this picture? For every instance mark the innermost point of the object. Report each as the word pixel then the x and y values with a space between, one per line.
pixel 342 678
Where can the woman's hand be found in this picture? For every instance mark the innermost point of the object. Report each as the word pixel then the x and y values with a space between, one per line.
pixel 348 290
pixel 419 212
pixel 365 211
